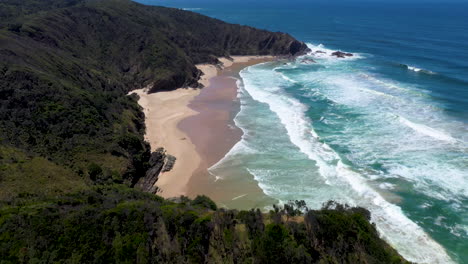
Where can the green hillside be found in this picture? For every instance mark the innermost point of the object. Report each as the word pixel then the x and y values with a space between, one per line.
pixel 72 146
pixel 112 224
pixel 65 70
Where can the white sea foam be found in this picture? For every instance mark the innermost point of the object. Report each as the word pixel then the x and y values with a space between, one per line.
pixel 238 197
pixel 239 147
pixel 314 134
pixel 416 69
pixel 425 205
pixel 392 85
pixel 192 8
pixel 286 77
pixel 426 130
pixel 439 219
pixel 413 69
pixel 321 52
pixel 267 189
pixel 387 186
pixel 385 134
pixel 391 222
pixel 349 90
pixel 217 178
pixel 443 182
pixel 372 96
pixel 459 230
pixel 387 84
pixel 376 92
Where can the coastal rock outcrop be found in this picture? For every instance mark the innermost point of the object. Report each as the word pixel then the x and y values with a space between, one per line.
pixel 298 48
pixel 340 54
pixel 159 162
pixel 308 61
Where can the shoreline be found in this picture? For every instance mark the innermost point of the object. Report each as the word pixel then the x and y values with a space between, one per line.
pixel 214 133
pixel 165 110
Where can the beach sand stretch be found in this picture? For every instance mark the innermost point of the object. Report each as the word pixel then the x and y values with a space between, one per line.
pixel 203 143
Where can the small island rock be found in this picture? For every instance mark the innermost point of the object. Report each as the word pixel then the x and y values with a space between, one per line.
pixel 340 54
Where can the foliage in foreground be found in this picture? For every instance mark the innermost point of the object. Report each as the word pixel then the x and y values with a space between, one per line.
pixel 116 224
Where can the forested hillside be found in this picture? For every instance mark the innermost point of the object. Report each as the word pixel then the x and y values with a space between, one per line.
pixel 66 67
pixel 112 224
pixel 72 146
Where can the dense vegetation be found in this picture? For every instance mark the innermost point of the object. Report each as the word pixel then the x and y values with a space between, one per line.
pixel 65 69
pixel 116 224
pixel 72 146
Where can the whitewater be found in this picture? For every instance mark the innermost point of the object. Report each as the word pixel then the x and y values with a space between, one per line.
pixel 330 131
pixel 386 129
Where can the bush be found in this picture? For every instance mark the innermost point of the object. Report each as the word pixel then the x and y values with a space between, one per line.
pixel 117 224
pixel 94 171
pixel 204 201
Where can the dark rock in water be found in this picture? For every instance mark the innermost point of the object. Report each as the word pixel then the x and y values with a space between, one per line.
pixel 159 162
pixel 297 48
pixel 340 54
pixel 319 51
pixel 308 61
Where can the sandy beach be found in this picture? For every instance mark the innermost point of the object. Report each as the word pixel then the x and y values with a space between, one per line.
pixel 165 110
pixel 214 133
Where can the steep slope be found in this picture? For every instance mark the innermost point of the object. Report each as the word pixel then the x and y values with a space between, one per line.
pixel 71 142
pixel 65 70
pixel 122 225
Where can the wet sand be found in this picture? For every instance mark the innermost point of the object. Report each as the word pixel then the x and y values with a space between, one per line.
pixel 213 132
pixel 164 112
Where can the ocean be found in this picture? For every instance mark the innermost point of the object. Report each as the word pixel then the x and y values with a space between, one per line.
pixel 385 129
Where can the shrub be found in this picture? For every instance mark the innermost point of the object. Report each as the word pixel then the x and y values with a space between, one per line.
pixel 204 201
pixel 94 171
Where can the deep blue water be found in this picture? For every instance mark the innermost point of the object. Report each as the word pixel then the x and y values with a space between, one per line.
pixel 386 129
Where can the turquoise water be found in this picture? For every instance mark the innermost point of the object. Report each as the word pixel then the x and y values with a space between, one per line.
pixel 386 129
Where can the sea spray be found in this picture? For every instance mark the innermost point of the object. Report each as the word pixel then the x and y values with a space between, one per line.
pixel 391 222
pixel 411 69
pixel 365 139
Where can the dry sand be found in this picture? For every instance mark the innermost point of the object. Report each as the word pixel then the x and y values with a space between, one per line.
pixel 164 111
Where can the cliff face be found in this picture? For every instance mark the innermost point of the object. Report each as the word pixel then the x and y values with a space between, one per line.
pixel 159 162
pixel 67 65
